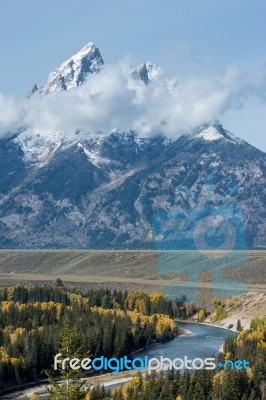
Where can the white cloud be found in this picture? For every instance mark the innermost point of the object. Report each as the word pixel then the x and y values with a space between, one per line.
pixel 112 99
pixel 10 115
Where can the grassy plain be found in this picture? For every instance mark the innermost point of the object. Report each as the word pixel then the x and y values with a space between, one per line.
pixel 126 269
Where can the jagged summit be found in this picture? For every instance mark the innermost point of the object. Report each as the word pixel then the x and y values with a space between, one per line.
pixel 72 72
pixel 33 90
pixel 146 72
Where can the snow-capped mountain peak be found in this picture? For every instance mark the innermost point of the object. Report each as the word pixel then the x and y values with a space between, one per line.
pixel 80 187
pixel 72 72
pixel 214 132
pixel 146 72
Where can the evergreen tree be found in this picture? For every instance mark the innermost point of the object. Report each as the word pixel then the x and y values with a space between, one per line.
pixel 238 326
pixel 69 386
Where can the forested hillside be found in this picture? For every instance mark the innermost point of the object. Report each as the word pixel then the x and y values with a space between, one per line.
pixel 106 324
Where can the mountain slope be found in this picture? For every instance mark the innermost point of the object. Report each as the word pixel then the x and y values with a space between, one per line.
pixel 105 194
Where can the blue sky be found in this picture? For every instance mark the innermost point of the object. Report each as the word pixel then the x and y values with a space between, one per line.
pixel 188 37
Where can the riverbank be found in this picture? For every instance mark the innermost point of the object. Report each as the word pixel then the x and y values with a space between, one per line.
pixel 205 323
pixel 218 326
pixel 186 333
pixel 244 309
pixel 241 308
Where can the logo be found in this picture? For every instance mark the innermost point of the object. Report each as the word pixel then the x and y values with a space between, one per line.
pixel 154 364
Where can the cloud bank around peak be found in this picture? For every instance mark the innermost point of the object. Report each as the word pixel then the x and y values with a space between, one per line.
pixel 114 100
pixel 11 118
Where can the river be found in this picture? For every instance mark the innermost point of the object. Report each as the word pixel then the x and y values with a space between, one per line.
pixel 199 341
pixel 204 341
